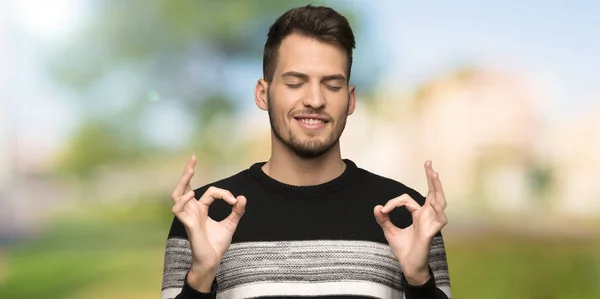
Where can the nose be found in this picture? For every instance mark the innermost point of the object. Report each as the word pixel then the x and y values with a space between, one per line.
pixel 315 99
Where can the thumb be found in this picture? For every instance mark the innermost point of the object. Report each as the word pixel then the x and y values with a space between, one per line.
pixel 237 211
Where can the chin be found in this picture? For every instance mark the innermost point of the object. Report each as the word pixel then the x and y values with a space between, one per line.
pixel 310 148
pixel 309 153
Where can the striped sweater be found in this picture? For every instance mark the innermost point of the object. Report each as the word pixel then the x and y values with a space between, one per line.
pixel 317 241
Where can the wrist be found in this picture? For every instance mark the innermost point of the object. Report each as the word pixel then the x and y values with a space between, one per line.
pixel 201 279
pixel 415 266
pixel 417 276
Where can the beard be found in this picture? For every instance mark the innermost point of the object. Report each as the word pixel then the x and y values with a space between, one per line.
pixel 311 146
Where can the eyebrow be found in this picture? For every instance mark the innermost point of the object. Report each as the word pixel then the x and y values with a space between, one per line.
pixel 334 77
pixel 305 77
pixel 295 74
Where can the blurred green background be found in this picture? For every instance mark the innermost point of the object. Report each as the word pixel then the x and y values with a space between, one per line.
pixel 108 99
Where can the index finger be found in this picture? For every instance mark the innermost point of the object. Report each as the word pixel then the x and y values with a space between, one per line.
pixel 213 193
pixel 186 176
pixel 429 174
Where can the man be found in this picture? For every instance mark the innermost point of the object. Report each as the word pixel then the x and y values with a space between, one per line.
pixel 306 222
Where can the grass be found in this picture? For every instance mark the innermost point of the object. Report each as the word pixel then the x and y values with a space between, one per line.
pixel 505 266
pixel 95 255
pixel 104 253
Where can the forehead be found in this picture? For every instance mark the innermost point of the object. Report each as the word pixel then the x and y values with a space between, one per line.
pixel 309 56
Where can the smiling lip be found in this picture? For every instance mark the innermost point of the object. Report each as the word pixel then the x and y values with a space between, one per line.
pixel 311 121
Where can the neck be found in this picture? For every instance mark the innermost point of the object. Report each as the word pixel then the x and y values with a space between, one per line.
pixel 287 167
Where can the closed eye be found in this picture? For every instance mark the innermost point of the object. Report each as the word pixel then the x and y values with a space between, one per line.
pixel 298 85
pixel 333 88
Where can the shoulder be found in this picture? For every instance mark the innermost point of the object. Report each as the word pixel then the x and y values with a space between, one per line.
pixel 231 183
pixel 387 187
pixel 381 189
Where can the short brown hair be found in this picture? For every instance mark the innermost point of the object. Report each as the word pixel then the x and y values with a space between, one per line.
pixel 319 22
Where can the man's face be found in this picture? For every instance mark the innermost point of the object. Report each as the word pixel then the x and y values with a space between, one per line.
pixel 309 97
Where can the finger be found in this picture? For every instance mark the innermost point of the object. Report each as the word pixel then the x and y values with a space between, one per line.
pixel 439 191
pixel 190 167
pixel 184 182
pixel 237 211
pixel 440 214
pixel 429 174
pixel 213 193
pixel 383 219
pixel 402 200
pixel 180 204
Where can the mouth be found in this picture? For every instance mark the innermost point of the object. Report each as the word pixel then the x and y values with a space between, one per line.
pixel 311 122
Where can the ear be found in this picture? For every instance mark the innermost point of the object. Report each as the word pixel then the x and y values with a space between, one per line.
pixel 352 99
pixel 261 94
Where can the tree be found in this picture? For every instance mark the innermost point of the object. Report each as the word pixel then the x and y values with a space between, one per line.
pixel 133 54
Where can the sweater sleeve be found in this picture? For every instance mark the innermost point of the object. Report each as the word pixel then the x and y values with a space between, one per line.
pixel 187 292
pixel 438 285
pixel 177 263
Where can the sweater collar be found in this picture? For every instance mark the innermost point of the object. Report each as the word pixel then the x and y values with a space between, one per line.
pixel 287 190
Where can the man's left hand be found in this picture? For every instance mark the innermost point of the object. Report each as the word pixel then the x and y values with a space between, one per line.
pixel 411 245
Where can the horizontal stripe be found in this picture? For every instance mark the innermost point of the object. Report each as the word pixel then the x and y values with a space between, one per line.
pixel 300 261
pixel 348 288
pixel 446 289
pixel 178 261
pixel 170 293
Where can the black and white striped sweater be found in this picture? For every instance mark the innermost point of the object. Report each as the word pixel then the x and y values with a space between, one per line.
pixel 307 241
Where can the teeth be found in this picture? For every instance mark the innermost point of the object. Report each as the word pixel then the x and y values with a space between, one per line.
pixel 311 121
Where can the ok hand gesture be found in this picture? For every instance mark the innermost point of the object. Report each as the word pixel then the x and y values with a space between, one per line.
pixel 411 245
pixel 209 240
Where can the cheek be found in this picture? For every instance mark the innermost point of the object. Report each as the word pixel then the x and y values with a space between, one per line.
pixel 342 105
pixel 281 103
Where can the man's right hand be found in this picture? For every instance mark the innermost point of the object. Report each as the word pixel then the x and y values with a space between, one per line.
pixel 209 239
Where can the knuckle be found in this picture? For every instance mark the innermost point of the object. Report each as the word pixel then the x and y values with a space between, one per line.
pixel 404 197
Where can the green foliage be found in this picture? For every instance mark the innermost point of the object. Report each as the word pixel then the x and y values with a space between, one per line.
pixel 96 143
pixel 213 107
pixel 542 180
pixel 163 37
pixel 133 54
